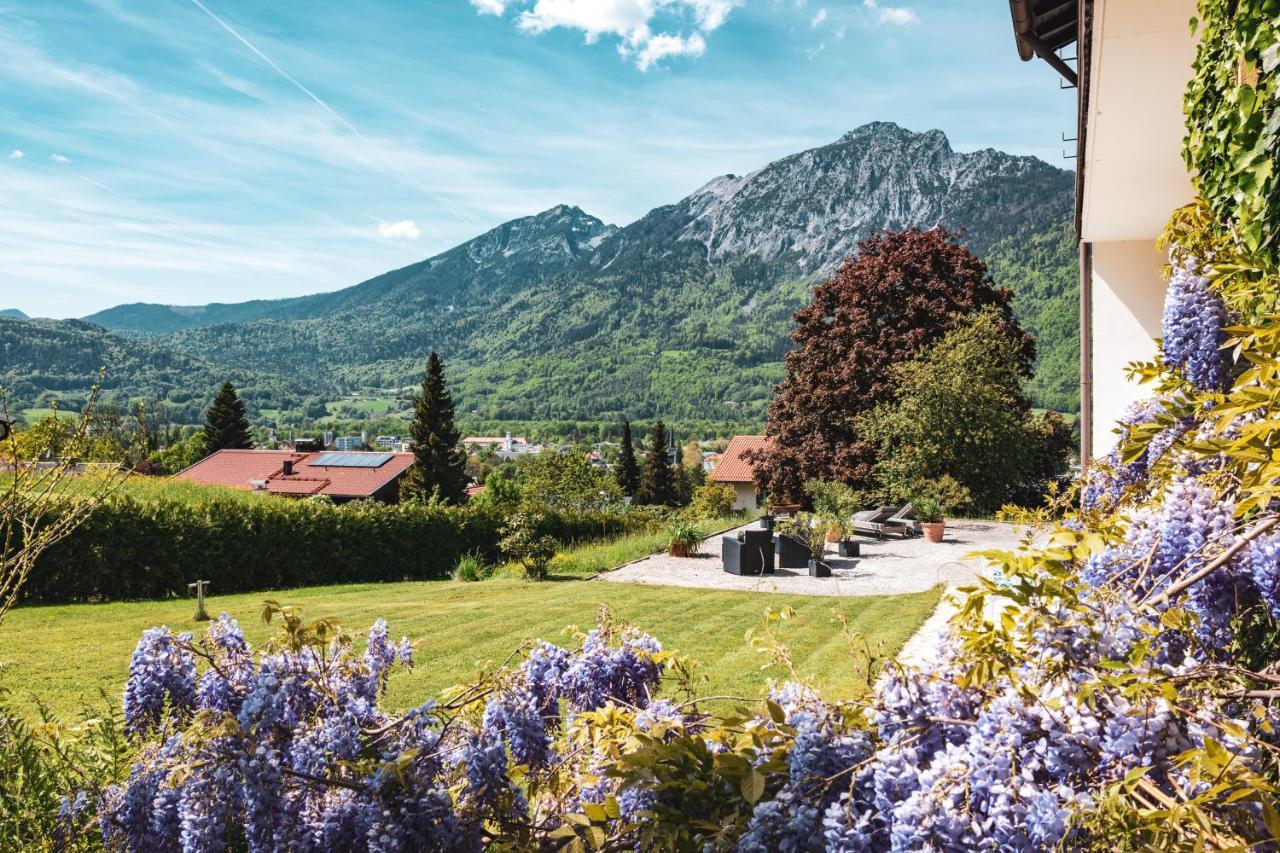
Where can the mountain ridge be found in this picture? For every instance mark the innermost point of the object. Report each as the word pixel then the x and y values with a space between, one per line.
pixel 683 312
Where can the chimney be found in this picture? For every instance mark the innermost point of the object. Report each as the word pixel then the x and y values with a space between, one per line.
pixel 288 468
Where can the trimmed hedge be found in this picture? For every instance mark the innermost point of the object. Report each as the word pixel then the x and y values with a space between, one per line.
pixel 146 549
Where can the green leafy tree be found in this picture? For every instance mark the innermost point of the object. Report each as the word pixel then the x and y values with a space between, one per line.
pixel 961 411
pixel 501 488
pixel 627 471
pixel 180 454
pixel 567 482
pixel 658 481
pixel 441 465
pixel 226 427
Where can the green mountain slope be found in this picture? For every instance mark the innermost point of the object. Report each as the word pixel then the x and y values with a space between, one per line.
pixel 682 314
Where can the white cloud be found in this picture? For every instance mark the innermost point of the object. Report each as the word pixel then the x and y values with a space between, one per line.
pixel 648 30
pixel 660 47
pixel 405 229
pixel 490 7
pixel 899 15
pixel 818 18
pixel 58 158
pixel 16 154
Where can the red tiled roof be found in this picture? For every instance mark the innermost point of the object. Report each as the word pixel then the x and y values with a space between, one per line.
pixel 240 468
pixel 732 468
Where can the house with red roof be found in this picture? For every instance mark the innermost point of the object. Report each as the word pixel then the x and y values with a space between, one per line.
pixel 738 473
pixel 343 476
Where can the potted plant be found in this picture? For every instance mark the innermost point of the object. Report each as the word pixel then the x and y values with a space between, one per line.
pixel 931 516
pixel 818 567
pixel 835 504
pixel 935 500
pixel 766 517
pixel 791 542
pixel 683 538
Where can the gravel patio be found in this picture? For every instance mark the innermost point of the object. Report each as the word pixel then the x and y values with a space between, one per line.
pixel 887 567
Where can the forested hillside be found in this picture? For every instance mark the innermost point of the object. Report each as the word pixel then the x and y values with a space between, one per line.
pixel 682 314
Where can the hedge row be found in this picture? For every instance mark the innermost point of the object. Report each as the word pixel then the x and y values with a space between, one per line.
pixel 146 549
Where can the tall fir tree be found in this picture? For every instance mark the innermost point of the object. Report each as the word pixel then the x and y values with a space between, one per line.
pixel 628 471
pixel 226 427
pixel 441 464
pixel 657 482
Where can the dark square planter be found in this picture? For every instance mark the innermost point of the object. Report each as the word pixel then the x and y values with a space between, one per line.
pixel 752 556
pixel 849 548
pixel 819 569
pixel 766 522
pixel 791 554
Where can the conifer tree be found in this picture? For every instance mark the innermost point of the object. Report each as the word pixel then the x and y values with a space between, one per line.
pixel 628 471
pixel 226 427
pixel 657 482
pixel 441 464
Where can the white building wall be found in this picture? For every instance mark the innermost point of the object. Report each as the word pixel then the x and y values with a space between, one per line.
pixel 1128 301
pixel 744 496
pixel 1134 178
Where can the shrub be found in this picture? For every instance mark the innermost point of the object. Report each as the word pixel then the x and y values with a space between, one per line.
pixel 54 773
pixel 711 500
pixel 523 543
pixel 472 568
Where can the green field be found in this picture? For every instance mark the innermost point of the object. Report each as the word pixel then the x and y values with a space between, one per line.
pixel 64 655
pixel 164 489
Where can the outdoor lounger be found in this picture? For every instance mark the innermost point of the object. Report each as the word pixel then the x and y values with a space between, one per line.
pixel 886 519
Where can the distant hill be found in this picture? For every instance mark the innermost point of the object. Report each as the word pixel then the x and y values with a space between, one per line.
pixel 14 313
pixel 684 313
pixel 63 358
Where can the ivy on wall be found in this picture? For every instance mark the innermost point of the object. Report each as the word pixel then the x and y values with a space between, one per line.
pixel 1233 121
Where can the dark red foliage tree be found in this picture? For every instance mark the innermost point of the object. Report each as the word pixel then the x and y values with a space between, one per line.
pixel 899 294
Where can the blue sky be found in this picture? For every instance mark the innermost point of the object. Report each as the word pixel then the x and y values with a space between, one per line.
pixel 193 151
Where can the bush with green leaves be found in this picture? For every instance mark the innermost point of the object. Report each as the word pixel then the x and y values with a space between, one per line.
pixel 55 773
pixel 471 568
pixel 523 543
pixel 711 500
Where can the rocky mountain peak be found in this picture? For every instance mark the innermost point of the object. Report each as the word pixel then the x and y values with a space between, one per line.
pixel 811 209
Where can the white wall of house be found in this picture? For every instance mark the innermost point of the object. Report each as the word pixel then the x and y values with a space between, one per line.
pixel 1128 301
pixel 744 496
pixel 1134 177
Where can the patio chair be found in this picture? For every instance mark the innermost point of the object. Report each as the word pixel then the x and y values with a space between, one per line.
pixel 904 521
pixel 899 521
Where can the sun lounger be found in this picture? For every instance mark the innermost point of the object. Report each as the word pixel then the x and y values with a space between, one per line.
pixel 898 521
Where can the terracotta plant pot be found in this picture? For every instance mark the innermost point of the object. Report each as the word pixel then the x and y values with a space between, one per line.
pixel 933 530
pixel 681 551
pixel 833 535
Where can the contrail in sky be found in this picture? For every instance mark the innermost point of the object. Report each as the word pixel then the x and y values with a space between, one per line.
pixel 331 111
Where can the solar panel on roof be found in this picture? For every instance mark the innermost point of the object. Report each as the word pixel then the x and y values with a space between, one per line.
pixel 352 460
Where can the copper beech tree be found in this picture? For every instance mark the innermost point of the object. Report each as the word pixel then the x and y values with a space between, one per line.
pixel 900 293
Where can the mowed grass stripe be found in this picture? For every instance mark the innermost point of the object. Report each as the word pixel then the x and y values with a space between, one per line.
pixel 64 655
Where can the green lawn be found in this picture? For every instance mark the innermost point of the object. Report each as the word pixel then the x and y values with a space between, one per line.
pixel 65 654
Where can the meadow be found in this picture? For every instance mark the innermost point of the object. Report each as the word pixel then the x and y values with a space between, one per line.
pixel 66 655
